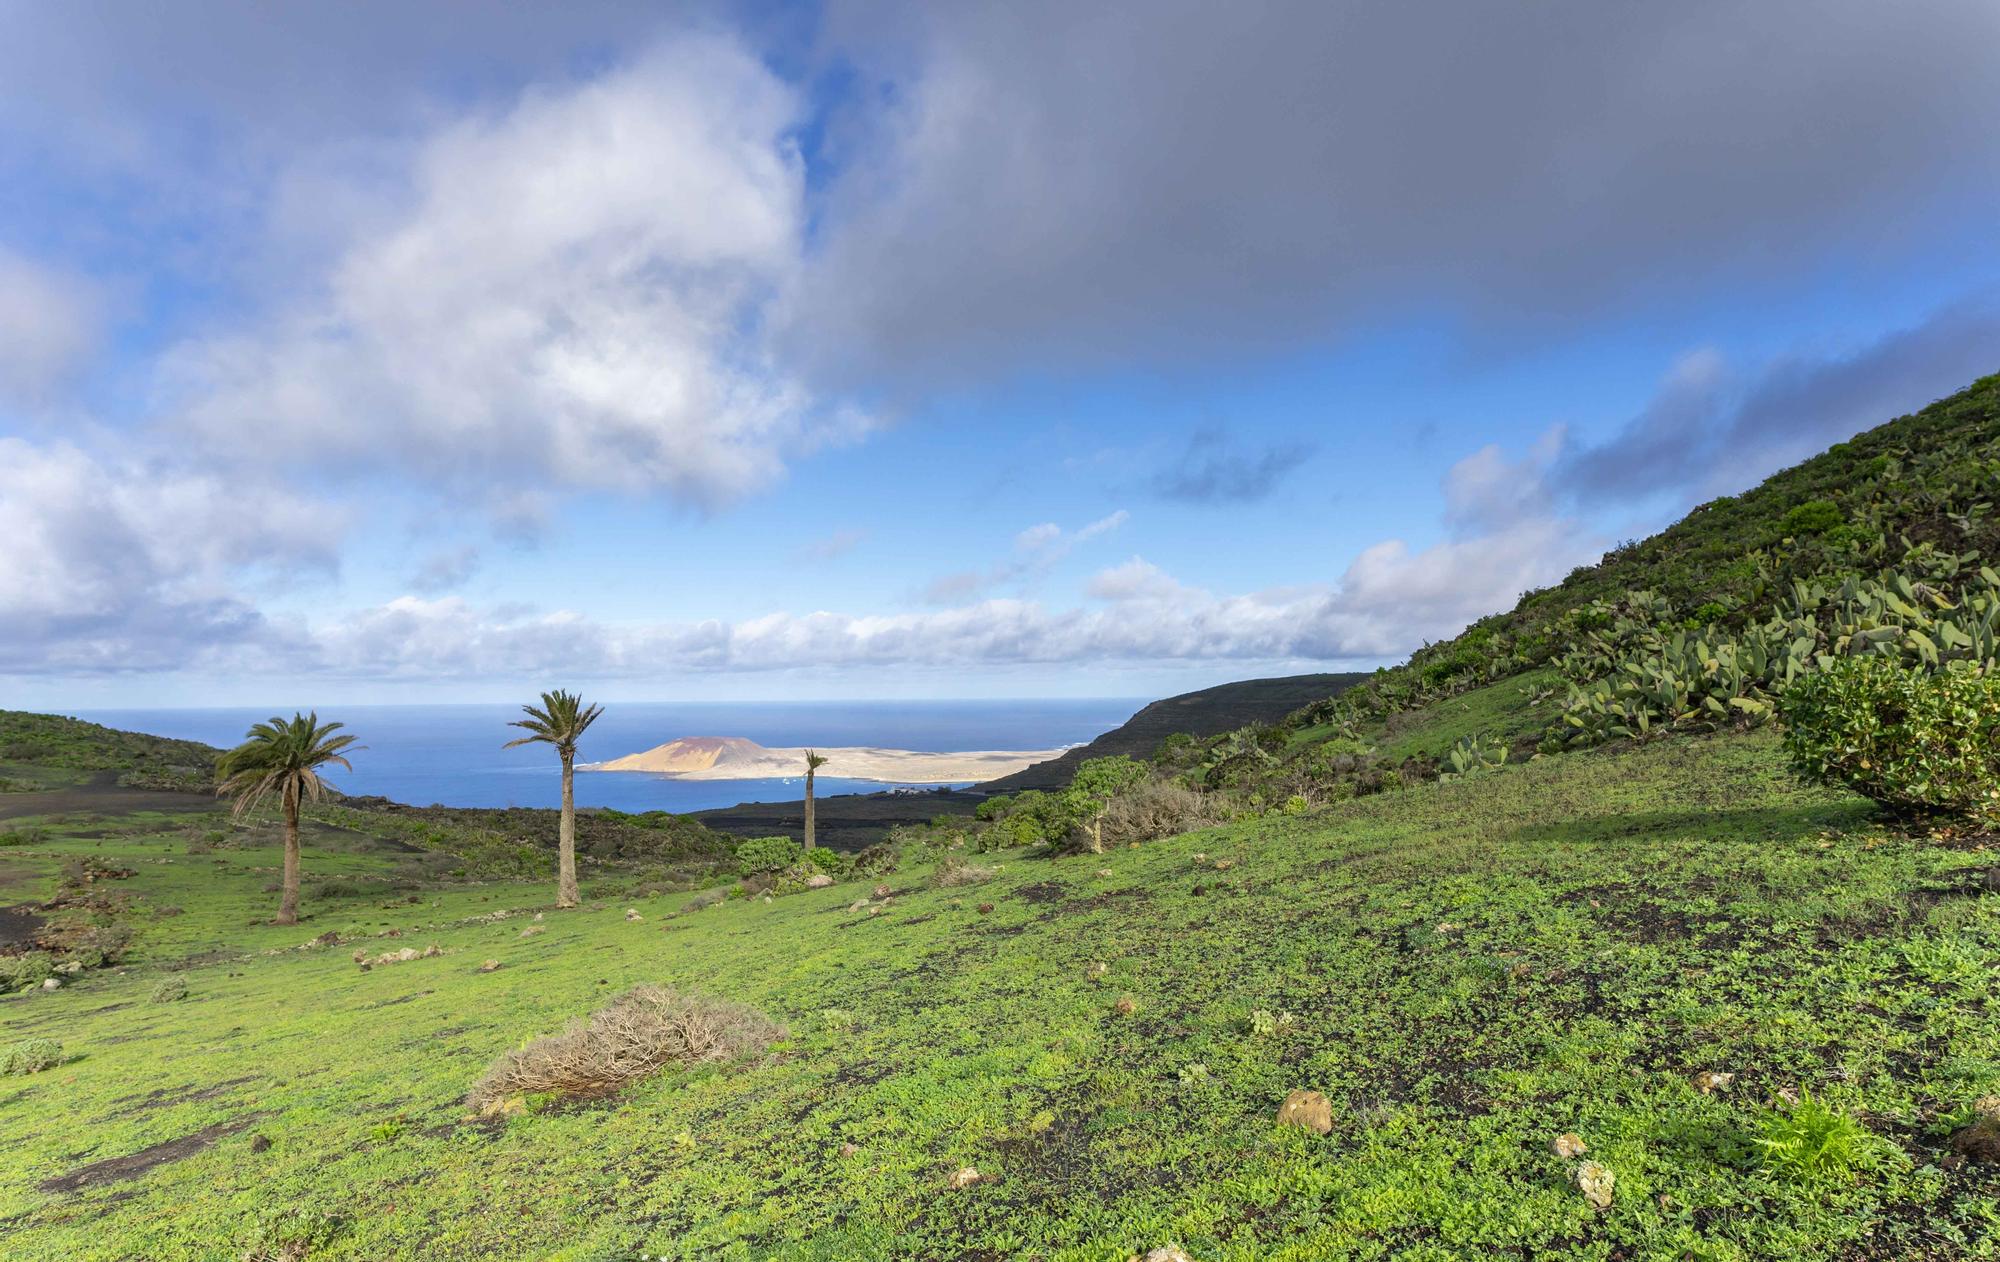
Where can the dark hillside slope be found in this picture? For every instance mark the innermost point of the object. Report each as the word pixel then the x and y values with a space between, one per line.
pixel 1208 712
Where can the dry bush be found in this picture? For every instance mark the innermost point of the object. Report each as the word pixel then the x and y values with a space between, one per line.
pixel 1158 808
pixel 958 870
pixel 642 1031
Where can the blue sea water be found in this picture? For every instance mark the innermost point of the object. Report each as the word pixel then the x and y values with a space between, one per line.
pixel 451 755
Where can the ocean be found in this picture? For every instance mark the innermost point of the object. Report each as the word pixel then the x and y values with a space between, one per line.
pixel 451 755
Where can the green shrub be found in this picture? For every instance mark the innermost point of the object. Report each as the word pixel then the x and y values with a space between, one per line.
pixel 170 989
pixel 768 854
pixel 25 971
pixel 832 862
pixel 31 1057
pixel 1918 743
pixel 879 859
pixel 24 837
pixel 995 807
pixel 1811 518
pixel 1812 1143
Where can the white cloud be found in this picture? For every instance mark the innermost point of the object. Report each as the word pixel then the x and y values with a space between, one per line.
pixel 129 564
pixel 49 321
pixel 1037 550
pixel 1487 492
pixel 570 294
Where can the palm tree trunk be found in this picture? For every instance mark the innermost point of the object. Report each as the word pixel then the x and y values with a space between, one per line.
pixel 809 808
pixel 566 895
pixel 288 901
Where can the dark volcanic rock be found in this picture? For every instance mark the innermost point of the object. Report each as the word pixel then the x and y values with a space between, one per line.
pixel 1208 712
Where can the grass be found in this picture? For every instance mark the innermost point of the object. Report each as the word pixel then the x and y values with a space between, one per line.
pixel 1470 969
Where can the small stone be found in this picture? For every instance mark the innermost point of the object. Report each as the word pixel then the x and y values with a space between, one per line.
pixel 1979 1142
pixel 965 1177
pixel 632 913
pixel 881 891
pixel 1223 865
pixel 985 909
pixel 877 909
pixel 1308 1110
pixel 51 984
pixel 1104 871
pixel 818 881
pixel 489 966
pixel 1098 972
pixel 859 904
pixel 1710 1081
pixel 1568 1145
pixel 1200 857
pixel 327 939
pixel 1126 1006
pixel 259 1143
pixel 1167 1253
pixel 848 1150
pixel 1595 1182
pixel 531 931
pixel 538 915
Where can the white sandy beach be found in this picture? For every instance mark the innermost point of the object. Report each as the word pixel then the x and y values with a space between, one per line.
pixel 737 758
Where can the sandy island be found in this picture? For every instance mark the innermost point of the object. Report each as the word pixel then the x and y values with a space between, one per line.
pixel 736 758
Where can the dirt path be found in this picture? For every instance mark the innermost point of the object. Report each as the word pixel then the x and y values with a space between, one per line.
pixel 102 794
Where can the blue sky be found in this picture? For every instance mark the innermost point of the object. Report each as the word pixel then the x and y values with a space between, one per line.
pixel 386 352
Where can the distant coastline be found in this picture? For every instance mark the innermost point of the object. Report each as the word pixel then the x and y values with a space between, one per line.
pixel 739 758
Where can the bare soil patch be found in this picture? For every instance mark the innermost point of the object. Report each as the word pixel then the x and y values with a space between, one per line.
pixel 132 1165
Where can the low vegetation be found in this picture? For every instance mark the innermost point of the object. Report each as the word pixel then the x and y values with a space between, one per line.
pixel 643 1031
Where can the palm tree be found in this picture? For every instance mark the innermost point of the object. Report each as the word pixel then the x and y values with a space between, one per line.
pixel 561 720
pixel 813 763
pixel 285 758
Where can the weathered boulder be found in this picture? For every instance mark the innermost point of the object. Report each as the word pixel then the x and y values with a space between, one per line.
pixel 1307 1109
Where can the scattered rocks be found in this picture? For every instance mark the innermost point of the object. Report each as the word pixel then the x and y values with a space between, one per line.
pixel 848 1150
pixel 1166 1253
pixel 403 956
pixel 50 983
pixel 490 966
pixel 632 913
pixel 881 891
pixel 327 939
pixel 964 1177
pixel 1308 1110
pixel 531 931
pixel 1980 1142
pixel 1223 865
pixel 1104 871
pixel 1098 972
pixel 1568 1145
pixel 1126 1006
pixel 1595 1182
pixel 859 904
pixel 1710 1081
pixel 818 881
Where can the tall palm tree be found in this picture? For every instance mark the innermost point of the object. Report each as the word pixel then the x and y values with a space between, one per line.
pixel 813 763
pixel 560 721
pixel 284 758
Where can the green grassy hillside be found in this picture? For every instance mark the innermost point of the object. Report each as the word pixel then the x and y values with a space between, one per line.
pixel 1466 972
pixel 44 750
